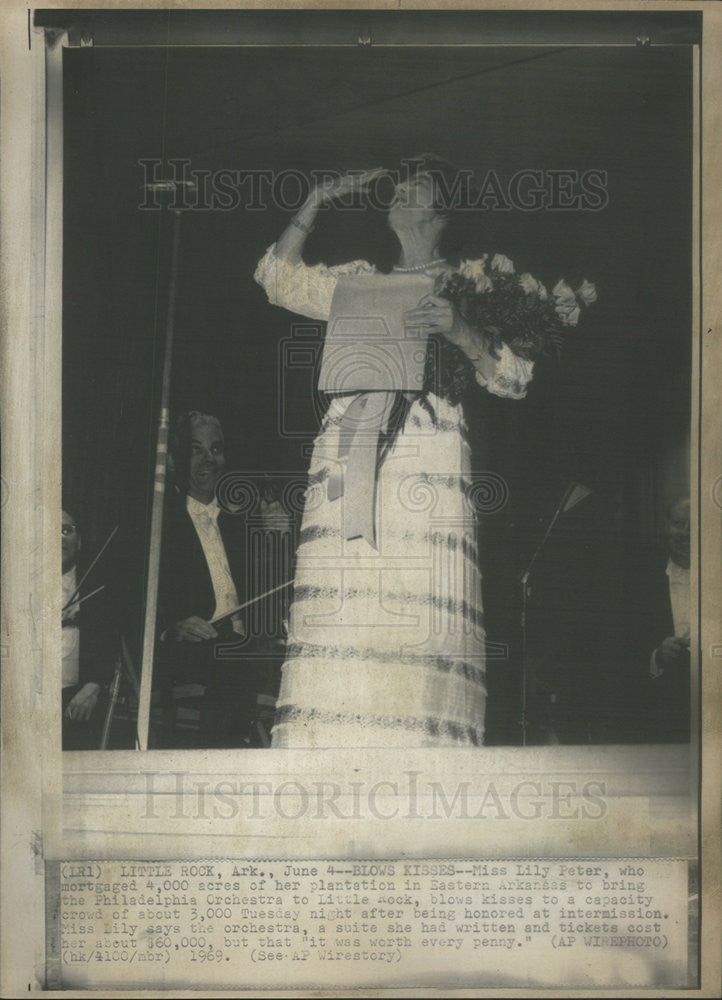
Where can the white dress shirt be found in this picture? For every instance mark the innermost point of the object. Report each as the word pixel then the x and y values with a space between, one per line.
pixel 679 598
pixel 71 633
pixel 205 521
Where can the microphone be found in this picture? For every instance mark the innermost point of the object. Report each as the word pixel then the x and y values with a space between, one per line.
pixel 170 185
pixel 575 493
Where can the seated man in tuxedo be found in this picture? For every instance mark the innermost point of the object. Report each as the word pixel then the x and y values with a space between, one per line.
pixel 669 663
pixel 90 646
pixel 205 575
pixel 641 692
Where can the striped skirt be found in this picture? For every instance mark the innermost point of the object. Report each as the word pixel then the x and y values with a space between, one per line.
pixel 386 644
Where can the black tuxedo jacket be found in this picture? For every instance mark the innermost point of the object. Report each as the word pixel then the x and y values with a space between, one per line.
pixel 665 706
pixel 649 607
pixel 185 586
pixel 185 589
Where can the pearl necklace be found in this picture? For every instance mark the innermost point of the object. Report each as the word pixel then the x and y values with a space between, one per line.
pixel 419 267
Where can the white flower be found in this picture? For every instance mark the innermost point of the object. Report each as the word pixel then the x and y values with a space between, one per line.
pixel 528 283
pixel 533 287
pixel 565 304
pixel 502 264
pixel 587 293
pixel 472 268
pixel 475 270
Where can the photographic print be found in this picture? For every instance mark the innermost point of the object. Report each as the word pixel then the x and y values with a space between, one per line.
pixel 366 376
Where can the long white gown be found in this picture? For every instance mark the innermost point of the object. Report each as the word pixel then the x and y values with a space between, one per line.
pixel 386 644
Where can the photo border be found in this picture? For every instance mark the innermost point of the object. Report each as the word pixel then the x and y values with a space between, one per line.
pixel 31 358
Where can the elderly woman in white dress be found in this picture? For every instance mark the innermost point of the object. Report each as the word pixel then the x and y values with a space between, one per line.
pixel 386 639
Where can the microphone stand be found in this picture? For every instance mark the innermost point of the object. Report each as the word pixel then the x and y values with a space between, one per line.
pixel 525 595
pixel 156 523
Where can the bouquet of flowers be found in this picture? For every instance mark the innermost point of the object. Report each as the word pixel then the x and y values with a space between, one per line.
pixel 512 308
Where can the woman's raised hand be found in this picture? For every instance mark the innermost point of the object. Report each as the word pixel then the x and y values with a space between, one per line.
pixel 290 244
pixel 357 182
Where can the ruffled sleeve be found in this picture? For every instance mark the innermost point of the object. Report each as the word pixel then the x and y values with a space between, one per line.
pixel 508 375
pixel 300 288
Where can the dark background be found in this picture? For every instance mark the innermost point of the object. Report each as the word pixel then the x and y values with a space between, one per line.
pixel 613 414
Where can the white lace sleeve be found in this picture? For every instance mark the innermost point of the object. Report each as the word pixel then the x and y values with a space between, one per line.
pixel 300 288
pixel 509 376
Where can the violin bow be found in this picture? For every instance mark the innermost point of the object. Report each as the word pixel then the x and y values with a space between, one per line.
pixel 85 575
